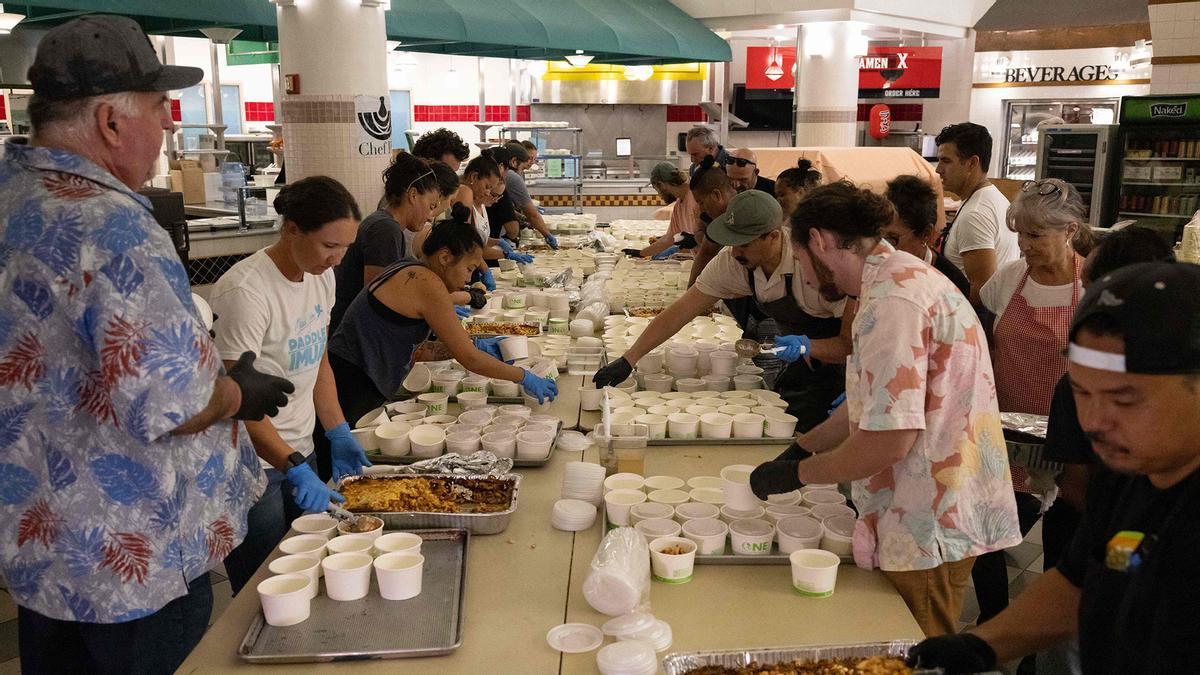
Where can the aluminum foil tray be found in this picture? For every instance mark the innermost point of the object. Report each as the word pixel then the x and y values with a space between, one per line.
pixel 475 523
pixel 680 663
pixel 430 624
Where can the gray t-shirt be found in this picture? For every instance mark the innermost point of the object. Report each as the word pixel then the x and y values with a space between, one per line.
pixel 515 190
pixel 381 241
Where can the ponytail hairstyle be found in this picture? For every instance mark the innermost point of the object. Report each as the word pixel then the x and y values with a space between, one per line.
pixel 801 177
pixel 455 234
pixel 710 177
pixel 312 202
pixel 483 166
pixel 407 171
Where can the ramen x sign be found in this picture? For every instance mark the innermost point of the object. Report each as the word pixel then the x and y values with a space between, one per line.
pixel 900 72
pixel 373 116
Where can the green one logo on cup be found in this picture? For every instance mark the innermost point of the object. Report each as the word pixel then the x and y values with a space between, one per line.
pixel 751 547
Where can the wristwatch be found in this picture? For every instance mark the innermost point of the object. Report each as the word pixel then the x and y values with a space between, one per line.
pixel 296 459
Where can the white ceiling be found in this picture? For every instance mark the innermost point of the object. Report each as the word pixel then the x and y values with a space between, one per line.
pixel 948 18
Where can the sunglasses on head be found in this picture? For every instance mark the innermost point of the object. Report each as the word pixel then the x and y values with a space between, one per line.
pixel 740 162
pixel 1043 187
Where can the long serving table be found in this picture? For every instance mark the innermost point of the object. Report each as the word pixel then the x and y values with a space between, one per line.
pixel 527 580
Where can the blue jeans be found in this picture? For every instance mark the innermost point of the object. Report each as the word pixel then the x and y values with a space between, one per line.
pixel 153 644
pixel 266 524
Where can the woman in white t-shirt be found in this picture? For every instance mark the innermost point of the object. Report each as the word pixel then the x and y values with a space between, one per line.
pixel 276 304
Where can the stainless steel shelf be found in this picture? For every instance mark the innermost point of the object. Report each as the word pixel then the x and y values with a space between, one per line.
pixel 1153 215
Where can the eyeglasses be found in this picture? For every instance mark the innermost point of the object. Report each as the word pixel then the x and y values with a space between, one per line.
pixel 418 178
pixel 1044 187
pixel 740 162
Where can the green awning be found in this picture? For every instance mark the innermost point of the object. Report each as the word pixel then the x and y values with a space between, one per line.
pixel 630 32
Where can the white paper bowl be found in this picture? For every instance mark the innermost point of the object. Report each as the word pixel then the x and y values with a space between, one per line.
pixel 285 598
pixel 392 438
pixel 715 425
pixel 351 543
pixel 500 443
pixel 708 533
pixel 427 440
pixel 682 425
pixel 463 442
pixel 534 444
pixel 751 537
pixel 747 425
pixel 619 502
pixel 366 438
pixel 374 531
pixel 307 565
pixel 399 575
pixel 304 544
pixel 315 523
pixel 799 532
pixel 672 568
pixel 814 572
pixel 347 575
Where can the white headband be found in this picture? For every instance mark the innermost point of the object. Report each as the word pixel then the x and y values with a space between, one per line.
pixel 1094 358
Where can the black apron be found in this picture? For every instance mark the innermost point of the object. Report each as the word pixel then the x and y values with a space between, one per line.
pixel 808 391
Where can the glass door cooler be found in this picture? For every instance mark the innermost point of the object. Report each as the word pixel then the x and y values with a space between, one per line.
pixel 1159 148
pixel 1023 117
pixel 1081 154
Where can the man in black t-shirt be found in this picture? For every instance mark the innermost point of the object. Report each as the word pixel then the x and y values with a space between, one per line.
pixel 1127 584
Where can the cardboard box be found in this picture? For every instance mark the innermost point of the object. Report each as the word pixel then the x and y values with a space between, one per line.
pixel 187 177
pixel 1170 173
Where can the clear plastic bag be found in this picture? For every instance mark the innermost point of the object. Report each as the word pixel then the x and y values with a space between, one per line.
pixel 618 580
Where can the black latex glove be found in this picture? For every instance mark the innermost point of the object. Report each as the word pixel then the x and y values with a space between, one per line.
pixel 954 654
pixel 613 374
pixel 794 452
pixel 685 240
pixel 262 394
pixel 478 298
pixel 775 477
pixel 632 252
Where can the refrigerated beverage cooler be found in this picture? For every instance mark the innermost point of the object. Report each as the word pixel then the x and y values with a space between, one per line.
pixel 1023 117
pixel 1159 148
pixel 1082 155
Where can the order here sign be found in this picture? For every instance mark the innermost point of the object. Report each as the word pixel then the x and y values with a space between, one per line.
pixel 884 72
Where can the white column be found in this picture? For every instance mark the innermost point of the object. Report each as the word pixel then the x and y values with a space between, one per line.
pixel 827 83
pixel 339 51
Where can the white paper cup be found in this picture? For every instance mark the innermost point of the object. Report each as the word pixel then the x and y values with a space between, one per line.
pixel 689 385
pixel 392 438
pixel 682 425
pixel 717 382
pixel 399 575
pixel 700 410
pixel 500 444
pixel 347 575
pixel 366 438
pixel 398 542
pixel 722 362
pixel 590 397
pixel 652 362
pixel 447 384
pixel 472 400
pixel 658 382
pixel 440 420
pixel 462 442
pixel 617 504
pixel 624 481
pixel 735 483
pixel 814 572
pixel 751 537
pixel 435 403
pixel 708 533
pixel 546 423
pixel 696 511
pixel 375 529
pixel 475 383
pixel 514 347
pixel 514 301
pixel 372 419
pixel 714 496
pixel 730 514
pixel 704 482
pixel 534 444
pixel 505 388
pixel 427 440
pixel 672 568
pixel 823 512
pixel 813 498
pixel 285 599
pixel 307 565
pixel 715 425
pixel 475 418
pixel 304 544
pixel 781 425
pixel 315 523
pixel 748 425
pixel 350 543
pixel 819 486
pixel 732 409
pixel 747 382
pixel 663 483
pixel 649 511
pixel 656 424
pixel 784 499
pixel 777 512
pixel 798 532
pixel 653 528
pixel 671 497
pixel 515 410
pixel 838 536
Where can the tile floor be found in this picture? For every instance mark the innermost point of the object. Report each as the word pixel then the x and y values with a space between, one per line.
pixel 1024 567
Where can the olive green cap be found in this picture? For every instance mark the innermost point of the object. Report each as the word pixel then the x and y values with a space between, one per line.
pixel 750 215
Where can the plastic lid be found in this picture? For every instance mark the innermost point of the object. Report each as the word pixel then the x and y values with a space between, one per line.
pixel 658 634
pixel 573 441
pixel 575 638
pixel 574 508
pixel 630 656
pixel 628 624
pixel 609 593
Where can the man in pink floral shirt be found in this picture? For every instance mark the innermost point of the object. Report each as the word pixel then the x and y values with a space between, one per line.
pixel 920 437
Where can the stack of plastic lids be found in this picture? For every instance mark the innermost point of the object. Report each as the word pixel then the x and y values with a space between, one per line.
pixel 640 626
pixel 572 515
pixel 583 481
pixel 630 657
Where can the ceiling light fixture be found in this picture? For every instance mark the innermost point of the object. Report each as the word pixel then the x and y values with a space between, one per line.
pixel 579 59
pixel 8 20
pixel 774 69
pixel 639 73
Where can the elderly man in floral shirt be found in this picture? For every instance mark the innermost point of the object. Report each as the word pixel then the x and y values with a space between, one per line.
pixel 122 480
pixel 919 437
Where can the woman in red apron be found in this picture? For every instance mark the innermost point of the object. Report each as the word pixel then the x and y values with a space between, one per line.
pixel 1034 298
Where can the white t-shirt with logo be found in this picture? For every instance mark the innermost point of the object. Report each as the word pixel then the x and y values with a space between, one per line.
pixel 980 224
pixel 286 323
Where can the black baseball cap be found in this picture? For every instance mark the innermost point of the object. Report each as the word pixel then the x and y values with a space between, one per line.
pixel 1156 308
pixel 102 54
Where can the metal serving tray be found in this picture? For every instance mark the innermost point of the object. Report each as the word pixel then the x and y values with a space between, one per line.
pixel 377 457
pixel 681 662
pixel 430 624
pixel 594 418
pixel 475 523
pixel 731 558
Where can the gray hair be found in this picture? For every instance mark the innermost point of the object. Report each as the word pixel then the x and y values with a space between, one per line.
pixel 706 136
pixel 72 119
pixel 1036 213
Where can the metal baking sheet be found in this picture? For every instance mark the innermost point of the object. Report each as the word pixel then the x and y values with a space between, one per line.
pixel 731 558
pixel 377 457
pixel 594 419
pixel 475 523
pixel 681 662
pixel 430 624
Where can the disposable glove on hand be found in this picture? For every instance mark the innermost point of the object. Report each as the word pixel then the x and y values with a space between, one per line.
pixel 348 456
pixel 795 347
pixel 794 452
pixel 685 240
pixel 613 374
pixel 521 258
pixel 954 654
pixel 552 241
pixel 541 388
pixel 667 253
pixel 505 246
pixel 478 298
pixel 488 281
pixel 262 394
pixel 490 346
pixel 775 477
pixel 462 311
pixel 309 492
pixel 837 402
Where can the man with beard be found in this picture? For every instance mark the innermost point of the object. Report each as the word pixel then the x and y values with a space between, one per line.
pixel 757 265
pixel 1126 586
pixel 919 438
pixel 672 187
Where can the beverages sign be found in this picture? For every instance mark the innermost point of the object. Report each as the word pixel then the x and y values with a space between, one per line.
pixel 1046 74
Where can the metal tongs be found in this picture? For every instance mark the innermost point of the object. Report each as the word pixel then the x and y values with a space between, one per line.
pixel 341 514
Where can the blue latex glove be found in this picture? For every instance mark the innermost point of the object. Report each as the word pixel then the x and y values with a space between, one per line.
pixel 488 281
pixel 837 402
pixel 795 346
pixel 522 258
pixel 505 246
pixel 667 253
pixel 348 456
pixel 552 242
pixel 309 492
pixel 463 311
pixel 541 388
pixel 490 346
